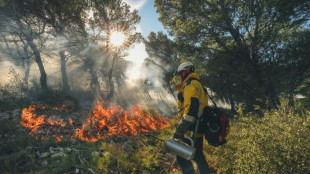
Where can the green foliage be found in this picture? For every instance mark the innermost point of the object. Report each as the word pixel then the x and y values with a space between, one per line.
pixel 163 55
pixel 104 160
pixel 69 160
pixel 137 155
pixel 277 143
pixel 135 158
pixel 245 50
pixel 14 158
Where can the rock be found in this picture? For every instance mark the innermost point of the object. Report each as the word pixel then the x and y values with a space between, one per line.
pixel 60 149
pixel 4 116
pixel 60 154
pixel 77 170
pixel 95 153
pixel 43 155
pixel 54 150
pixel 44 163
pixel 28 148
pixel 16 113
pixel 68 149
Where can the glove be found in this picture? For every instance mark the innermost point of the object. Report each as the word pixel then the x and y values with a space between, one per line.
pixel 178 136
pixel 180 97
pixel 181 129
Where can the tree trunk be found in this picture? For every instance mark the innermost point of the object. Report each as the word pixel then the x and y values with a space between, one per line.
pixel 65 85
pixel 111 82
pixel 27 64
pixel 43 77
pixel 36 52
pixel 94 83
pixel 111 90
pixel 27 71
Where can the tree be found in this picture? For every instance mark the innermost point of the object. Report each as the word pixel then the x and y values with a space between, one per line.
pixel 108 16
pixel 61 16
pixel 19 53
pixel 241 43
pixel 294 70
pixel 163 53
pixel 28 28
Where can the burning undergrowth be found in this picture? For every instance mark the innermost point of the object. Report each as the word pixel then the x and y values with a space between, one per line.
pixel 105 120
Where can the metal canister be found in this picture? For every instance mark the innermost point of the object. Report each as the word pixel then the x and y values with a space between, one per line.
pixel 181 149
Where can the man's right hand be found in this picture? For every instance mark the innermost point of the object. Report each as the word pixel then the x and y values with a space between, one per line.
pixel 178 136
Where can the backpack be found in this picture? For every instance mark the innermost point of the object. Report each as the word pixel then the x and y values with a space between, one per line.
pixel 213 123
pixel 215 126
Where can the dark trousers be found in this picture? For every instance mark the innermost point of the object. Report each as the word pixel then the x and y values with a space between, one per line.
pixel 187 166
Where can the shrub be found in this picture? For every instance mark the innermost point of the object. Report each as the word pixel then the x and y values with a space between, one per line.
pixel 277 143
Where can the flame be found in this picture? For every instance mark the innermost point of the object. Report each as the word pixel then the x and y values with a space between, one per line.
pixel 30 120
pixel 102 122
pixel 43 126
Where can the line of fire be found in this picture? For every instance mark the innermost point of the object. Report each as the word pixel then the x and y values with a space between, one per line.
pixel 103 121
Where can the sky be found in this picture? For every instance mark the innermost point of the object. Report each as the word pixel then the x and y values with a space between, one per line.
pixel 149 22
pixel 149 18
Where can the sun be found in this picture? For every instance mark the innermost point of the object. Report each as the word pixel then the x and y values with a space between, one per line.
pixel 117 38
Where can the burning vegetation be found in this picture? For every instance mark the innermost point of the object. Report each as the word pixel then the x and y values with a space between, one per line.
pixel 42 126
pixel 103 121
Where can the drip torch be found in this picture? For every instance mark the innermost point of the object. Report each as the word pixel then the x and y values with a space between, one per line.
pixel 179 147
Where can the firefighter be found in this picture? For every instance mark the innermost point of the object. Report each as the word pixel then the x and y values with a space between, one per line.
pixel 191 102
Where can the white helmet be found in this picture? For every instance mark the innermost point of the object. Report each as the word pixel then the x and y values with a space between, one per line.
pixel 184 66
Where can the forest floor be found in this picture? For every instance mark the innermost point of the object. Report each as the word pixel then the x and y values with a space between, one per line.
pixel 275 143
pixel 24 153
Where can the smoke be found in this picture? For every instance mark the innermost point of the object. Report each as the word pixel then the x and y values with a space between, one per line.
pixel 148 91
pixel 145 84
pixel 141 85
pixel 4 71
pixel 134 83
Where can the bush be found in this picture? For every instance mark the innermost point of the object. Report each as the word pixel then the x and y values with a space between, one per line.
pixel 135 158
pixel 277 143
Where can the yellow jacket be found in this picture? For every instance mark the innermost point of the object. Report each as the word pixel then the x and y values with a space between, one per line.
pixel 195 99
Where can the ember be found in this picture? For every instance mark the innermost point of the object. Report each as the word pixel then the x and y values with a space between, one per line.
pixel 102 122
